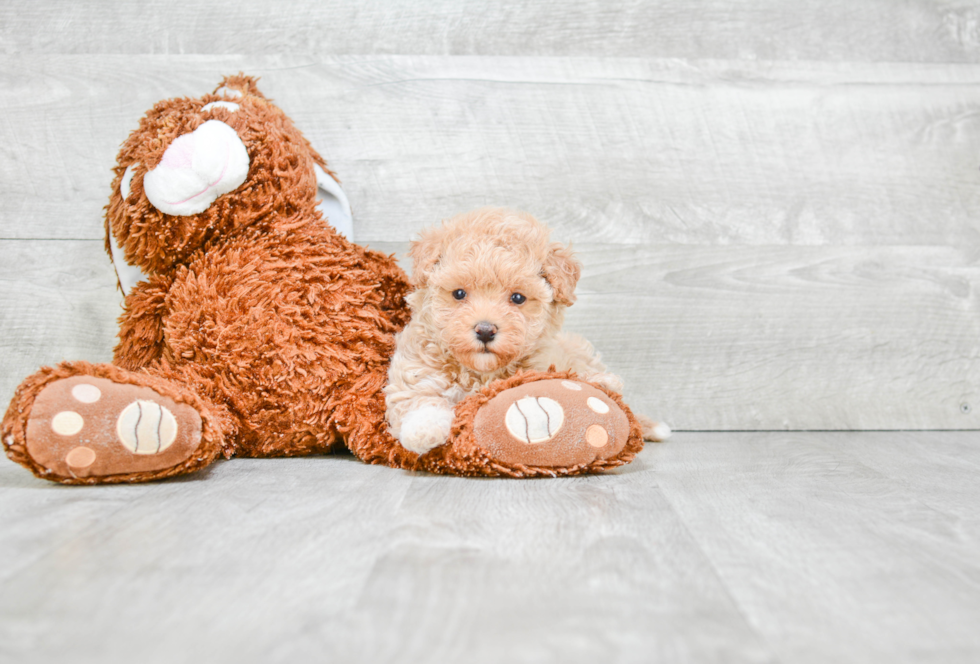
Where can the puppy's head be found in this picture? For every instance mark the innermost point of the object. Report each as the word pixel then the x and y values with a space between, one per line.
pixel 490 285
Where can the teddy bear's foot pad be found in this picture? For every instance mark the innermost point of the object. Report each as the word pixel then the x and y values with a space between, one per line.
pixel 551 423
pixel 85 426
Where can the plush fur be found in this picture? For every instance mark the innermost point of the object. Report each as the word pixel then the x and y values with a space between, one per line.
pixel 495 268
pixel 279 326
pixel 273 328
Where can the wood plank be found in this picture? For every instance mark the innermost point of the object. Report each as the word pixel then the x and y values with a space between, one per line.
pixel 156 568
pixel 874 30
pixel 611 150
pixel 58 301
pixel 568 571
pixel 828 558
pixel 789 337
pixel 706 338
pixel 273 560
pixel 922 463
pixel 762 547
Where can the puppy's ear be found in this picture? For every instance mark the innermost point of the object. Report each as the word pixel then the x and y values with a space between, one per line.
pixel 425 254
pixel 562 271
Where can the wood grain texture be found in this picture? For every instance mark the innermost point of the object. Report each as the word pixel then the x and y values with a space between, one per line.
pixel 606 150
pixel 58 301
pixel 873 30
pixel 789 337
pixel 723 548
pixel 706 338
pixel 838 547
pixel 334 560
pixel 768 245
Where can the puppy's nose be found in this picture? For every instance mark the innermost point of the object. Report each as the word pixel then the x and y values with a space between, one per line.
pixel 485 331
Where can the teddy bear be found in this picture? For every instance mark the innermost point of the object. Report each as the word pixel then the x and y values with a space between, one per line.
pixel 252 327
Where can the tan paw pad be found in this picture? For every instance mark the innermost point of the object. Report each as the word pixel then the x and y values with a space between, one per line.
pixel 85 426
pixel 596 436
pixel 80 457
pixel 551 423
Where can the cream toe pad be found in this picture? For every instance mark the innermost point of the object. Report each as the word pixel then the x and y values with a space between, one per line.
pixel 145 427
pixel 598 405
pixel 534 419
pixel 67 423
pixel 86 393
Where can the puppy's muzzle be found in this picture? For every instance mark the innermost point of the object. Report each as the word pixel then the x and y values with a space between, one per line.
pixel 485 331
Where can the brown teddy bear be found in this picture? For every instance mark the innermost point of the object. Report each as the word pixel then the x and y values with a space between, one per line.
pixel 252 327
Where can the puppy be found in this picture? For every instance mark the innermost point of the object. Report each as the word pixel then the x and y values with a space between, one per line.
pixel 489 300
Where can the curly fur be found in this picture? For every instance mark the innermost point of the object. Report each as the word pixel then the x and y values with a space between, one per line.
pixel 277 325
pixel 489 254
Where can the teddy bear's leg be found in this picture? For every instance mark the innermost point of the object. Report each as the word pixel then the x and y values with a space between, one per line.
pixel 360 418
pixel 538 425
pixel 81 423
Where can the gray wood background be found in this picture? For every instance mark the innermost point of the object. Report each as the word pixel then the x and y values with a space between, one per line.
pixel 777 203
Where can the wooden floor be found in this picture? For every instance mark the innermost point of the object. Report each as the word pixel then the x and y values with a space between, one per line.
pixel 714 547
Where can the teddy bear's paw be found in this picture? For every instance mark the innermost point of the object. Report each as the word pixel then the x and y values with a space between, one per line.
pixel 551 423
pixel 89 427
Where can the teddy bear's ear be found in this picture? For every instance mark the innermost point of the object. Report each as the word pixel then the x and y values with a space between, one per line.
pixel 425 253
pixel 562 271
pixel 237 86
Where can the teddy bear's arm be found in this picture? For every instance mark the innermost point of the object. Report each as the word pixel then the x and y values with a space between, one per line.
pixel 141 338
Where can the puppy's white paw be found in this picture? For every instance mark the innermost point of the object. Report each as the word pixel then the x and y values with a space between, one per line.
pixel 425 428
pixel 608 381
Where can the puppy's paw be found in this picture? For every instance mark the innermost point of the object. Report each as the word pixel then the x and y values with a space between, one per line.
pixel 425 428
pixel 653 431
pixel 608 381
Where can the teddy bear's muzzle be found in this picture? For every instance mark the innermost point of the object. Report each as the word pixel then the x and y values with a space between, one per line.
pixel 196 169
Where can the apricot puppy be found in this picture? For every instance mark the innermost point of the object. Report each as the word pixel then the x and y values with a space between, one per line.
pixel 490 296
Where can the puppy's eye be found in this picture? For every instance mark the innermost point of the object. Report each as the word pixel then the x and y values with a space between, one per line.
pixel 459 294
pixel 517 298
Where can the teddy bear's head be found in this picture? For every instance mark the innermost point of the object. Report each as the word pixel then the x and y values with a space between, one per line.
pixel 200 168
